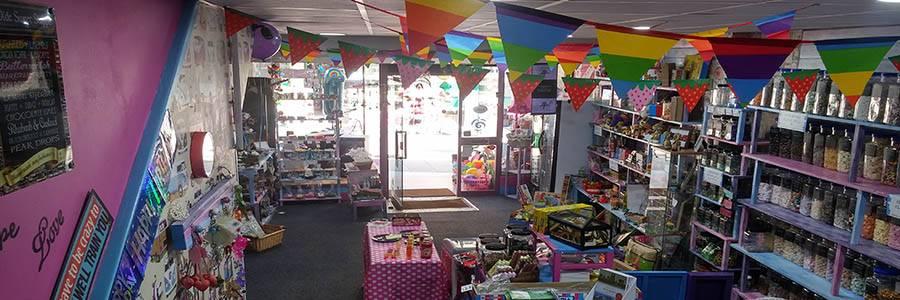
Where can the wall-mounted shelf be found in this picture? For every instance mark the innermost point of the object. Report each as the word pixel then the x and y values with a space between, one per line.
pixel 833 119
pixel 862 184
pixel 796 273
pixel 182 231
pixel 637 170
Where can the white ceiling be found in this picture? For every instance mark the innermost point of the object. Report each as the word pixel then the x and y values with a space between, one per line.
pixel 685 16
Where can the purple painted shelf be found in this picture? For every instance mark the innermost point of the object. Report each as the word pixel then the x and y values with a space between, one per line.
pixel 861 184
pixel 619 162
pixel 842 237
pixel 713 232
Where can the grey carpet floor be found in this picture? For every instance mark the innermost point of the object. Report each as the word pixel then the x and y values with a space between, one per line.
pixel 321 256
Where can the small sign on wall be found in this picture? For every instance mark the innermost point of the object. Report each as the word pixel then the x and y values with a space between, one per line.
pixel 34 131
pixel 91 233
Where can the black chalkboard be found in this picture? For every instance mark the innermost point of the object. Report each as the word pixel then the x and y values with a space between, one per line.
pixel 34 134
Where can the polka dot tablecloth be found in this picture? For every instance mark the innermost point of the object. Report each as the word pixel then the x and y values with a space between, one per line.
pixel 401 279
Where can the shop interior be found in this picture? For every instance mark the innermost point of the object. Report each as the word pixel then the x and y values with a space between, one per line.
pixel 450 150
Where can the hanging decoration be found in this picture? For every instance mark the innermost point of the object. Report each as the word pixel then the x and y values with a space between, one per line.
pixel 703 46
pixel 424 53
pixel 404 31
pixel 266 41
pixel 579 90
pixel 777 26
pixel 462 45
pixel 627 54
pixel 496 45
pixel 467 77
pixel 750 63
pixel 354 56
pixel 428 20
pixel 312 56
pixel 593 57
pixel 851 62
pixel 896 61
pixel 529 33
pixel 642 93
pixel 522 88
pixel 551 60
pixel 383 55
pixel 800 82
pixel 443 54
pixel 411 68
pixel 571 55
pixel 302 43
pixel 236 21
pixel 285 50
pixel 691 91
pixel 479 57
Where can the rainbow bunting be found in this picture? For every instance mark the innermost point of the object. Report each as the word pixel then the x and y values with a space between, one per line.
pixel 593 57
pixel 478 57
pixel 461 45
pixel 443 54
pixel 691 91
pixel 411 68
pixel 627 54
pixel 529 33
pixel 285 50
pixel 703 46
pixel 851 62
pixel 750 63
pixel 642 93
pixel 800 82
pixel 467 77
pixel 403 35
pixel 579 89
pixel 428 20
pixel 236 21
pixel 311 56
pixel 777 26
pixel 896 61
pixel 571 55
pixel 302 43
pixel 496 45
pixel 552 60
pixel 522 88
pixel 354 56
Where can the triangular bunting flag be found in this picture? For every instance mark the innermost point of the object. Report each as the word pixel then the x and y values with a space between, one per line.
pixel 642 93
pixel 462 45
pixel 551 59
pixel 522 88
pixel 311 56
pixel 691 91
pixel 443 54
pixel 496 45
pixel 404 48
pixel 851 62
pixel 354 56
pixel 428 20
pixel 467 77
pixel 302 43
pixel 236 21
pixel 529 33
pixel 750 63
pixel 777 26
pixel 579 89
pixel 411 68
pixel 478 57
pixel 571 55
pixel 383 55
pixel 896 61
pixel 800 82
pixel 703 46
pixel 593 57
pixel 627 54
pixel 285 50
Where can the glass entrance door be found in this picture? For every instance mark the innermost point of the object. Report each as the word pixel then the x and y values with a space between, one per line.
pixel 480 128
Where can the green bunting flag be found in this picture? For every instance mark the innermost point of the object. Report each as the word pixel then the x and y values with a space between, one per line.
pixel 627 54
pixel 851 62
pixel 462 45
pixel 529 33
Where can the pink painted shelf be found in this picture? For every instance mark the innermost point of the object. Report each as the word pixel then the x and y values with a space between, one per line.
pixel 713 232
pixel 861 184
pixel 736 292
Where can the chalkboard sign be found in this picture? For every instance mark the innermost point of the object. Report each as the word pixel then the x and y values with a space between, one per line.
pixel 34 133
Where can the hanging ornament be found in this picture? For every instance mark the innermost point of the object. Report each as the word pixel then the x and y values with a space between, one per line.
pixel 691 91
pixel 579 89
pixel 642 93
pixel 801 82
pixel 522 88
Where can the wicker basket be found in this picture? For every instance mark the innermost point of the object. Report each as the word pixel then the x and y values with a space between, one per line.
pixel 274 237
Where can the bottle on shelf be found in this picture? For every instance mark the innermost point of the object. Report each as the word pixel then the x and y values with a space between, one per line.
pixel 873 161
pixel 876 102
pixel 861 110
pixel 868 227
pixel 823 90
pixel 765 96
pixel 881 233
pixel 892 104
pixel 818 158
pixel 843 156
pixel 808 145
pixel 834 101
pixel 889 170
pixel 810 100
pixel 831 142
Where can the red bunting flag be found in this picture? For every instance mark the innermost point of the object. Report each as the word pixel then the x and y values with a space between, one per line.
pixel 800 82
pixel 467 77
pixel 522 88
pixel 579 90
pixel 354 56
pixel 642 93
pixel 411 68
pixel 302 43
pixel 691 91
pixel 235 21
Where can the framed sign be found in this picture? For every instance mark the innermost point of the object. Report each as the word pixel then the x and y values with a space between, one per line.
pixel 34 132
pixel 91 233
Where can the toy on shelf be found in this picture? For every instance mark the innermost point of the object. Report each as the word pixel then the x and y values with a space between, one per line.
pixel 478 169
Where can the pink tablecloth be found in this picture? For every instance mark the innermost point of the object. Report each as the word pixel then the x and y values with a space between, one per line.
pixel 401 279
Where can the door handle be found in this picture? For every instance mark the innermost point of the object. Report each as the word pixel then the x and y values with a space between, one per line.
pixel 400 138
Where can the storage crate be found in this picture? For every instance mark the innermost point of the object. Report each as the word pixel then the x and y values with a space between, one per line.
pixel 274 236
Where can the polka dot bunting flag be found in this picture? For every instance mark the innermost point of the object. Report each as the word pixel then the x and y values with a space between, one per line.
pixel 579 90
pixel 522 88
pixel 411 68
pixel 642 93
pixel 691 91
pixel 235 21
pixel 467 77
pixel 801 82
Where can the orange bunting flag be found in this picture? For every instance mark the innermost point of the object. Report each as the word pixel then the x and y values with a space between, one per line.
pixel 428 20
pixel 571 55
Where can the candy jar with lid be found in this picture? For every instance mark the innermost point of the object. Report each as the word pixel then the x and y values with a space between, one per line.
pixel 873 162
pixel 889 169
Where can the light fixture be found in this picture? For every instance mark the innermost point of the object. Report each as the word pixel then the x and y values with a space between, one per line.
pixel 641 27
pixel 570 35
pixel 45 18
pixel 26 23
pixel 890 1
pixel 332 34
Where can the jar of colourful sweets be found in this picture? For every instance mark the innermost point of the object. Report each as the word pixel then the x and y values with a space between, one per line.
pixel 840 210
pixel 868 227
pixel 858 278
pixel 774 137
pixel 889 170
pixel 818 198
pixel 808 139
pixel 873 162
pixel 831 142
pixel 778 244
pixel 894 233
pixel 784 191
pixel 721 159
pixel 847 272
pixel 764 193
pixel 829 274
pixel 892 104
pixel 818 156
pixel 789 251
pixel 882 226
pixel 885 280
pixel 821 264
pixel 823 89
pixel 834 101
pixel 828 207
pixel 796 146
pixel 809 253
pixel 799 243
pixel 777 190
pixel 784 148
pixel 844 157
pixel 796 194
pixel 851 206
pixel 806 198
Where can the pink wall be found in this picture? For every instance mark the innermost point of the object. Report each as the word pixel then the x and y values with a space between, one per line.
pixel 113 53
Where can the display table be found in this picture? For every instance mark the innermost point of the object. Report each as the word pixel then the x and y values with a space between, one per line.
pixel 401 279
pixel 604 256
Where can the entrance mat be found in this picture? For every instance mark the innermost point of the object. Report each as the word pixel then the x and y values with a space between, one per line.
pixel 433 205
pixel 428 193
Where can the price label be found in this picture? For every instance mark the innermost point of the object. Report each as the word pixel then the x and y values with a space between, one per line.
pixel 598 130
pixel 614 165
pixel 893 205
pixel 712 176
pixel 792 121
pixel 465 288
